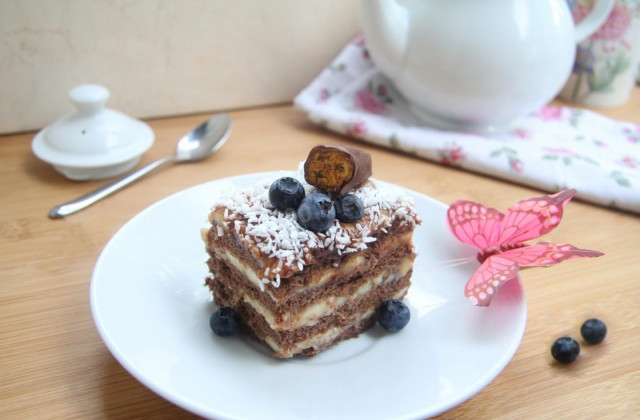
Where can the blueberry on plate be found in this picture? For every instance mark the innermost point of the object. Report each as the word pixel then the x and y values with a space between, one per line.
pixel 224 321
pixel 316 212
pixel 565 349
pixel 349 208
pixel 593 331
pixel 393 315
pixel 286 193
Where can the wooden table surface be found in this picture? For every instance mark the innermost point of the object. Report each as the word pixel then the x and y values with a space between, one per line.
pixel 53 363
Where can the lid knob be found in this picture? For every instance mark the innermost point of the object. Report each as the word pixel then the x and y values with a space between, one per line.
pixel 89 98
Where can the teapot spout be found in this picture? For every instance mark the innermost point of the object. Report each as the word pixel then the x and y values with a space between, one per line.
pixel 385 25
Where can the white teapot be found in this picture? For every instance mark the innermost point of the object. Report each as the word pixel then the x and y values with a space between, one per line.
pixel 476 65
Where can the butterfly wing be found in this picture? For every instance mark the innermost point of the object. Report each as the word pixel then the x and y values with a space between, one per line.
pixel 545 254
pixel 499 268
pixel 532 218
pixel 485 282
pixel 474 224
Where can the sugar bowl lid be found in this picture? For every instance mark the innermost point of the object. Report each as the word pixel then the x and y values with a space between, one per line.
pixel 93 136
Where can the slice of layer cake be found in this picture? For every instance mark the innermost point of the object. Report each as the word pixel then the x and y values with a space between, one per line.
pixel 299 291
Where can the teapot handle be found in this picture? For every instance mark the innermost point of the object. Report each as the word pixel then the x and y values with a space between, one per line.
pixel 594 20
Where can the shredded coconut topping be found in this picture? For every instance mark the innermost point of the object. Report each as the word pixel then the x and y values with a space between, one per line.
pixel 288 247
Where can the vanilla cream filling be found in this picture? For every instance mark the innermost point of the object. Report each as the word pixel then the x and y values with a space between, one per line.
pixel 253 277
pixel 326 337
pixel 343 268
pixel 313 312
pixel 319 340
pixel 245 269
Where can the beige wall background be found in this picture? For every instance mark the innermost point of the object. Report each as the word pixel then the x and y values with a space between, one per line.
pixel 163 57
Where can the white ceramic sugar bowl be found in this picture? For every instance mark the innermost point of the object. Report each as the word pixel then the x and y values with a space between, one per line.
pixel 94 142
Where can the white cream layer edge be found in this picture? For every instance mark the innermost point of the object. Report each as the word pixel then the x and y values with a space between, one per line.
pixel 314 312
pixel 321 340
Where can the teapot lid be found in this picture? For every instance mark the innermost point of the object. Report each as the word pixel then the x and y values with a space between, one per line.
pixel 94 135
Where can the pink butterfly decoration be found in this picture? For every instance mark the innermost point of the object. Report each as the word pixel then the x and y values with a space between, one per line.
pixel 500 239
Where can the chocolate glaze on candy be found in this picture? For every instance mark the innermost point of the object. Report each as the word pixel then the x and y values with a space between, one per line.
pixel 337 169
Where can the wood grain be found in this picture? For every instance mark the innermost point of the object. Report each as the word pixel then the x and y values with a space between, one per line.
pixel 54 364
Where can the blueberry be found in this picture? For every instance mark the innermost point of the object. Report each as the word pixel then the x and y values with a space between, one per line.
pixel 224 321
pixel 316 212
pixel 349 208
pixel 286 193
pixel 393 315
pixel 565 349
pixel 593 331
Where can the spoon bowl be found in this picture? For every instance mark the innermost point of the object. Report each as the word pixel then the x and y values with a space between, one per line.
pixel 194 146
pixel 203 140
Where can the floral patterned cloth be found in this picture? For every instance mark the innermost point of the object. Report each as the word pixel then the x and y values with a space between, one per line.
pixel 552 149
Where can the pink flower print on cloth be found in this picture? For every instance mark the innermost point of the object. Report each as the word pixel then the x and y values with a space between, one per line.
pixel 549 113
pixel 513 160
pixel 631 162
pixel 633 136
pixel 373 98
pixel 521 133
pixel 355 128
pixel 324 95
pixel 452 155
pixel 368 101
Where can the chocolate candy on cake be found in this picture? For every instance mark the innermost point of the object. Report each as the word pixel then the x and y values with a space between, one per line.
pixel 337 169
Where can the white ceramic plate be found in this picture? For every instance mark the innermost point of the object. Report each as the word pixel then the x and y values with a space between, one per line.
pixel 152 311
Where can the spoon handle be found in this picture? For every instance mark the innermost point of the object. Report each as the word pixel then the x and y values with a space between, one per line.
pixel 86 200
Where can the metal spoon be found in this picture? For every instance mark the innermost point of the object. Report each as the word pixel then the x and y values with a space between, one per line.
pixel 194 146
